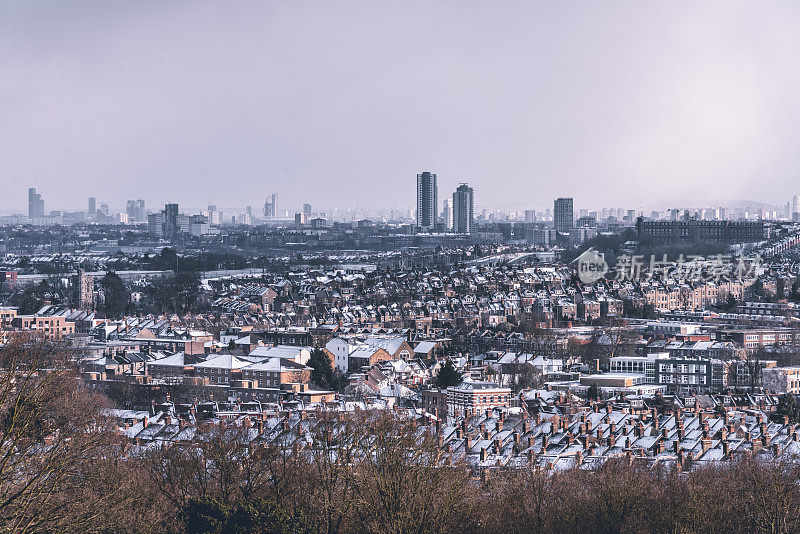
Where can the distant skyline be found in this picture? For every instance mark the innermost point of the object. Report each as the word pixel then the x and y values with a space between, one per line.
pixel 624 104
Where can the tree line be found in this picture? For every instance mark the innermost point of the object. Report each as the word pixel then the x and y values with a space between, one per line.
pixel 65 467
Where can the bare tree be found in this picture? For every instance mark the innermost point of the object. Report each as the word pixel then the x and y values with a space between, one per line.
pixel 402 484
pixel 53 438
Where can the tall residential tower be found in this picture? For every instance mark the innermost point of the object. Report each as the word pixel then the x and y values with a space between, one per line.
pixel 463 208
pixel 427 201
pixel 563 215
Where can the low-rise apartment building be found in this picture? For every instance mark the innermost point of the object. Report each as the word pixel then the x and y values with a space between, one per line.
pixel 470 398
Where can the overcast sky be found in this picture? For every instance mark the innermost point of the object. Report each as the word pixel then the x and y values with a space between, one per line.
pixel 342 103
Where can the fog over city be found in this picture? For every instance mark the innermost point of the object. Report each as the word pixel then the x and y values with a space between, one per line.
pixel 343 103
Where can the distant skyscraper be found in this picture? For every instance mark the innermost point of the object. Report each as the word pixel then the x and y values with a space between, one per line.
pixel 447 215
pixel 562 215
pixel 307 210
pixel 795 207
pixel 214 216
pixel 171 227
pixel 463 206
pixel 35 204
pixel 135 211
pixel 92 205
pixel 271 206
pixel 427 201
pixel 530 216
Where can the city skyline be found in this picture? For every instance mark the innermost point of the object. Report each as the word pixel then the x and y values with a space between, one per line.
pixel 540 204
pixel 135 211
pixel 550 95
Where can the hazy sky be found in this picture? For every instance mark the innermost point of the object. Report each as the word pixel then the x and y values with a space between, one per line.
pixel 337 103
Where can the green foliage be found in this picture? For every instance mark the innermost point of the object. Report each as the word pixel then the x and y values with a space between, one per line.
pixel 178 293
pixel 593 393
pixel 788 406
pixel 116 296
pixel 31 298
pixel 322 373
pixel 448 376
pixel 794 294
pixel 168 260
pixel 210 516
